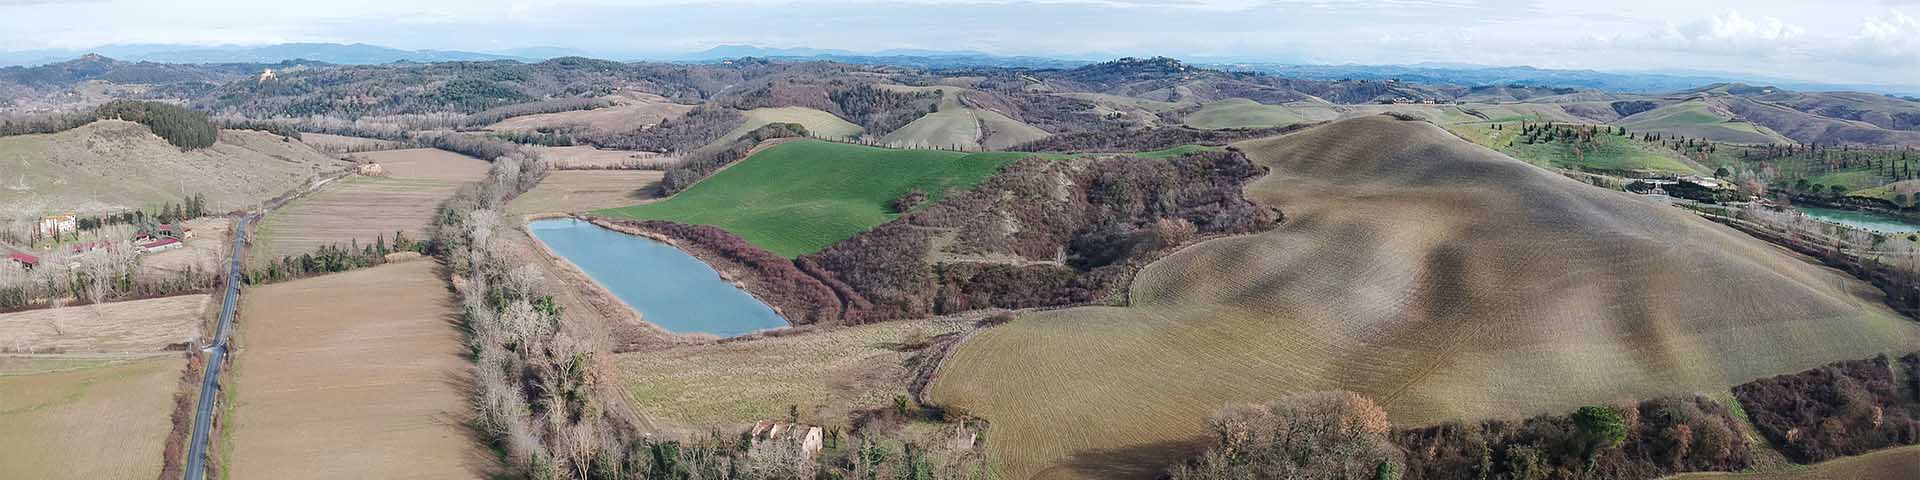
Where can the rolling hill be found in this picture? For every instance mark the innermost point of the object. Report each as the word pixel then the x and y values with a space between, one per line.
pixel 1442 279
pixel 1705 119
pixel 1244 113
pixel 113 165
pixel 954 124
pixel 818 123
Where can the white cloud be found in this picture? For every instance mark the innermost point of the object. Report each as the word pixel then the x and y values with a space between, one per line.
pixel 1737 28
pixel 1891 39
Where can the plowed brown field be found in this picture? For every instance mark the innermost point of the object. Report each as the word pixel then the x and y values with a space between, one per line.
pixel 352 375
pixel 1440 278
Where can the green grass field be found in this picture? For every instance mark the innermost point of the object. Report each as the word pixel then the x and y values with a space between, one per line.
pixel 1851 179
pixel 1608 152
pixel 1697 119
pixel 801 196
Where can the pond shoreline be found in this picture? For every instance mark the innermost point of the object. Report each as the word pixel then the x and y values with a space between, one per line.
pixel 619 316
pixel 598 287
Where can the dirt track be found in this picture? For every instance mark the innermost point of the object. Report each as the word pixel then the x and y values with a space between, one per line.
pixel 1440 278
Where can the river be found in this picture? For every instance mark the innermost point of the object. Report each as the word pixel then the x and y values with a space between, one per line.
pixel 1861 220
pixel 670 288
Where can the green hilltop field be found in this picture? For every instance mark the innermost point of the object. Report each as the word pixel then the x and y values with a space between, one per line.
pixel 801 196
pixel 1605 152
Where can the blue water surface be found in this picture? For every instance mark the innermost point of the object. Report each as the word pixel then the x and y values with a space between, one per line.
pixel 669 287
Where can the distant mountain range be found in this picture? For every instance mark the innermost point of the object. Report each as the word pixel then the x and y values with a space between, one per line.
pixel 352 54
pixel 1475 75
pixel 1430 73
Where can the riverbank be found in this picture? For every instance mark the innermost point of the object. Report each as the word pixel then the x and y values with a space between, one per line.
pixel 583 297
pixel 799 298
pixel 670 286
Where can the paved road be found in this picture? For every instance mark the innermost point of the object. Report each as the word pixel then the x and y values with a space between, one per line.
pixel 217 354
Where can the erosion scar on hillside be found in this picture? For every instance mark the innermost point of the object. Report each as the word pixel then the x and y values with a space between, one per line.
pixel 1443 279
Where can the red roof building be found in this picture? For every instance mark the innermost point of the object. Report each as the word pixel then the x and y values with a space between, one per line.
pixel 24 260
pixel 161 244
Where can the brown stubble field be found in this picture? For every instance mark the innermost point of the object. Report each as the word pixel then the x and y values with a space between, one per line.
pixel 101 422
pixel 634 110
pixel 571 191
pixel 148 325
pixel 96 401
pixel 1443 280
pixel 364 208
pixel 582 157
pixel 353 208
pixel 429 164
pixel 1897 463
pixel 353 375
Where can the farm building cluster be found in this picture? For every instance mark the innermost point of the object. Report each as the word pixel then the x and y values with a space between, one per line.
pixel 150 239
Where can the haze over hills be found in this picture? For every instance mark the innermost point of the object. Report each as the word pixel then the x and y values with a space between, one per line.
pixel 1431 72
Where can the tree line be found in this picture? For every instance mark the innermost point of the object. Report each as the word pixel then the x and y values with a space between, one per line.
pixel 180 126
pixel 334 258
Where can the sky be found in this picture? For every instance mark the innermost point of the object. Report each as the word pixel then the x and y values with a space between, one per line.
pixel 1829 41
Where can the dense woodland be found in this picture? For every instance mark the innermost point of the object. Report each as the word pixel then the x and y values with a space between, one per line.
pixel 1121 213
pixel 180 126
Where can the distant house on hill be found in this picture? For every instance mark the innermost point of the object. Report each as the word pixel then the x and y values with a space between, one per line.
pixel 808 436
pixel 56 225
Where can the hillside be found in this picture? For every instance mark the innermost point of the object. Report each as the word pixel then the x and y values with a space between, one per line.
pixel 1244 113
pixel 1811 128
pixel 800 196
pixel 1440 278
pixel 113 165
pixel 629 112
pixel 954 124
pixel 818 123
pixel 1699 119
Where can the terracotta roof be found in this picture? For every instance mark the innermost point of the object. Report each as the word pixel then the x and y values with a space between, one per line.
pixel 24 258
pixel 160 243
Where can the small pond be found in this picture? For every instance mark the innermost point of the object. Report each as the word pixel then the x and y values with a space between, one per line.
pixel 1861 220
pixel 669 287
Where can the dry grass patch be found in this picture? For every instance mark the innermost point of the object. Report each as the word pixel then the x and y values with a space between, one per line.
pixel 112 165
pixel 429 164
pixel 132 326
pixel 1438 277
pixel 352 208
pixel 589 157
pixel 581 190
pixel 825 374
pixel 636 110
pixel 1901 463
pixel 352 375
pixel 109 422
